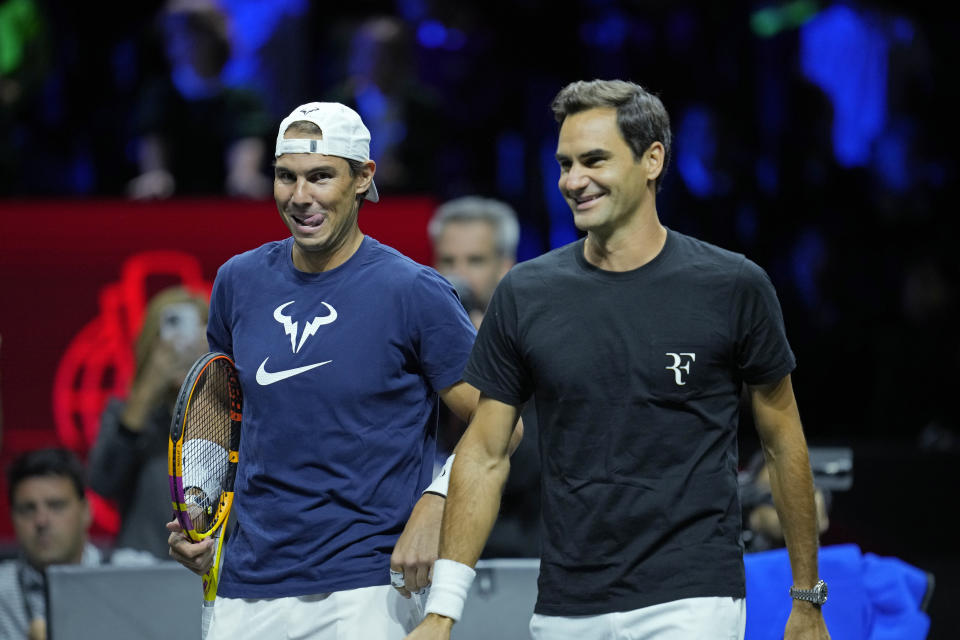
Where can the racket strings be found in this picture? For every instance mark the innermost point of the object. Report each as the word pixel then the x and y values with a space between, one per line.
pixel 207 431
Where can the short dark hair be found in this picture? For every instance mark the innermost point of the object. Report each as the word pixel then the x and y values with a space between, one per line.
pixel 641 116
pixel 46 462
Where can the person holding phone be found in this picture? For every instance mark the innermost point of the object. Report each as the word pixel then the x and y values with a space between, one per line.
pixel 128 463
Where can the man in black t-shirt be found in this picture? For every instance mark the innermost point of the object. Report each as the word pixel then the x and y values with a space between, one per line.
pixel 635 343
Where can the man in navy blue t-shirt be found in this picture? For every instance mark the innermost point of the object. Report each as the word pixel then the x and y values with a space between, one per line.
pixel 635 343
pixel 343 346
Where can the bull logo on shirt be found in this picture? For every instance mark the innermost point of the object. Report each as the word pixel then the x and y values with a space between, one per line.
pixel 290 326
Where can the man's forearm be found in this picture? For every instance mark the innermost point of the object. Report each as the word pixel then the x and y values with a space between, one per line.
pixel 791 483
pixel 473 502
pixel 479 473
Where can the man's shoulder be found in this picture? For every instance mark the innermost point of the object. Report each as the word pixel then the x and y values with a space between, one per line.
pixel 266 251
pixel 13 622
pixel 8 570
pixel 695 252
pixel 253 261
pixel 384 253
pixel 713 266
pixel 11 598
pixel 551 262
pixel 398 267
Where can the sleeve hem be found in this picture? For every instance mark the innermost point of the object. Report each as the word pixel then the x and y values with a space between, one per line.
pixel 494 392
pixel 774 375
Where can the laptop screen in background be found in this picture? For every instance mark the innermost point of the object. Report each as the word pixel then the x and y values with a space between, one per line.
pixel 122 602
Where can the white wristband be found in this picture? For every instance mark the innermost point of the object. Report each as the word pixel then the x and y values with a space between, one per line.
pixel 441 483
pixel 448 588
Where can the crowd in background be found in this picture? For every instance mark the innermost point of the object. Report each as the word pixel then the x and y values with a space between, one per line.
pixel 837 185
pixel 814 137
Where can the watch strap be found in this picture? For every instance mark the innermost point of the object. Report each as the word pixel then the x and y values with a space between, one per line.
pixel 817 595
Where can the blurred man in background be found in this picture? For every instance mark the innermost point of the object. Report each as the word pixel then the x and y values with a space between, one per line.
pixel 475 240
pixel 474 245
pixel 51 516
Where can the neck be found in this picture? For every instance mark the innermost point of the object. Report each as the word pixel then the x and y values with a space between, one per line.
pixel 75 557
pixel 316 262
pixel 628 247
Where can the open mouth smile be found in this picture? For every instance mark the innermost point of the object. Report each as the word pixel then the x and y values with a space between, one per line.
pixel 584 201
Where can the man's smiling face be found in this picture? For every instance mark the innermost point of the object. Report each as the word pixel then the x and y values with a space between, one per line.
pixel 601 180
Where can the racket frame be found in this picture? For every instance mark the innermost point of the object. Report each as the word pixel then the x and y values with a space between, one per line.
pixel 175 461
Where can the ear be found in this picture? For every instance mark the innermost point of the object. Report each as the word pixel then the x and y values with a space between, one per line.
pixel 365 176
pixel 653 159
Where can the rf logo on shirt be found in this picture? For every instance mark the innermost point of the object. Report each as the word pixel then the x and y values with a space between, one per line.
pixel 290 327
pixel 678 368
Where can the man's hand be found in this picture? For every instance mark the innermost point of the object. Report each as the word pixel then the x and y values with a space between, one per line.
pixel 433 627
pixel 164 370
pixel 196 556
pixel 806 623
pixel 37 630
pixel 418 545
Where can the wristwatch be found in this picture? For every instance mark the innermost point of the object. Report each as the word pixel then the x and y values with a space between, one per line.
pixel 817 595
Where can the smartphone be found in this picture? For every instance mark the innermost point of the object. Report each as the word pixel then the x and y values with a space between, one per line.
pixel 181 326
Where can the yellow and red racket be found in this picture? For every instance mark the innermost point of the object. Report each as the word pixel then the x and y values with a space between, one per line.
pixel 202 457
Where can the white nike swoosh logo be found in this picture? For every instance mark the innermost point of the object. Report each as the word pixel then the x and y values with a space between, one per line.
pixel 265 377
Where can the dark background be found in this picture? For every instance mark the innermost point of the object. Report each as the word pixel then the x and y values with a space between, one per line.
pixel 816 137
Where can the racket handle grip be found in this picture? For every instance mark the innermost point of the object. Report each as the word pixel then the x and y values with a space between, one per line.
pixel 206 615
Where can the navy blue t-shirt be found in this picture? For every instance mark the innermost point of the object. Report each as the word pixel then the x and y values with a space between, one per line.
pixel 636 377
pixel 340 372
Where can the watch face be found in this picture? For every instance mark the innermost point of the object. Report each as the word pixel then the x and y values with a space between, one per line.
pixel 821 591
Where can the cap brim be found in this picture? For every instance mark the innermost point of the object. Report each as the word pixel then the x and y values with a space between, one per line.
pixel 372 194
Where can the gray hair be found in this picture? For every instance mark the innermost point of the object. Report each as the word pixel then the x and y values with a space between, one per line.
pixel 641 116
pixel 499 215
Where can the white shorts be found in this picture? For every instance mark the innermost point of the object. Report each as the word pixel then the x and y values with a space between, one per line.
pixel 687 619
pixel 370 612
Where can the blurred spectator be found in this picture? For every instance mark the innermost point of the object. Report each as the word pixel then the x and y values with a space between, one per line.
pixel 128 462
pixel 475 239
pixel 198 136
pixel 404 115
pixel 50 516
pixel 761 525
pixel 474 245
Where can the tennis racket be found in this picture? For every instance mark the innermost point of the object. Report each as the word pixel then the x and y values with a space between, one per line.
pixel 202 457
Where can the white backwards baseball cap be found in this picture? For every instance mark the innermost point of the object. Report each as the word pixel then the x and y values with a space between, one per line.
pixel 344 135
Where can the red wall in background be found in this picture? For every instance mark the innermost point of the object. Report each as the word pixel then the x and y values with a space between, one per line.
pixel 74 275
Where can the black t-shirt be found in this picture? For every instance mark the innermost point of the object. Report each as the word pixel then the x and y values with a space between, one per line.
pixel 637 377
